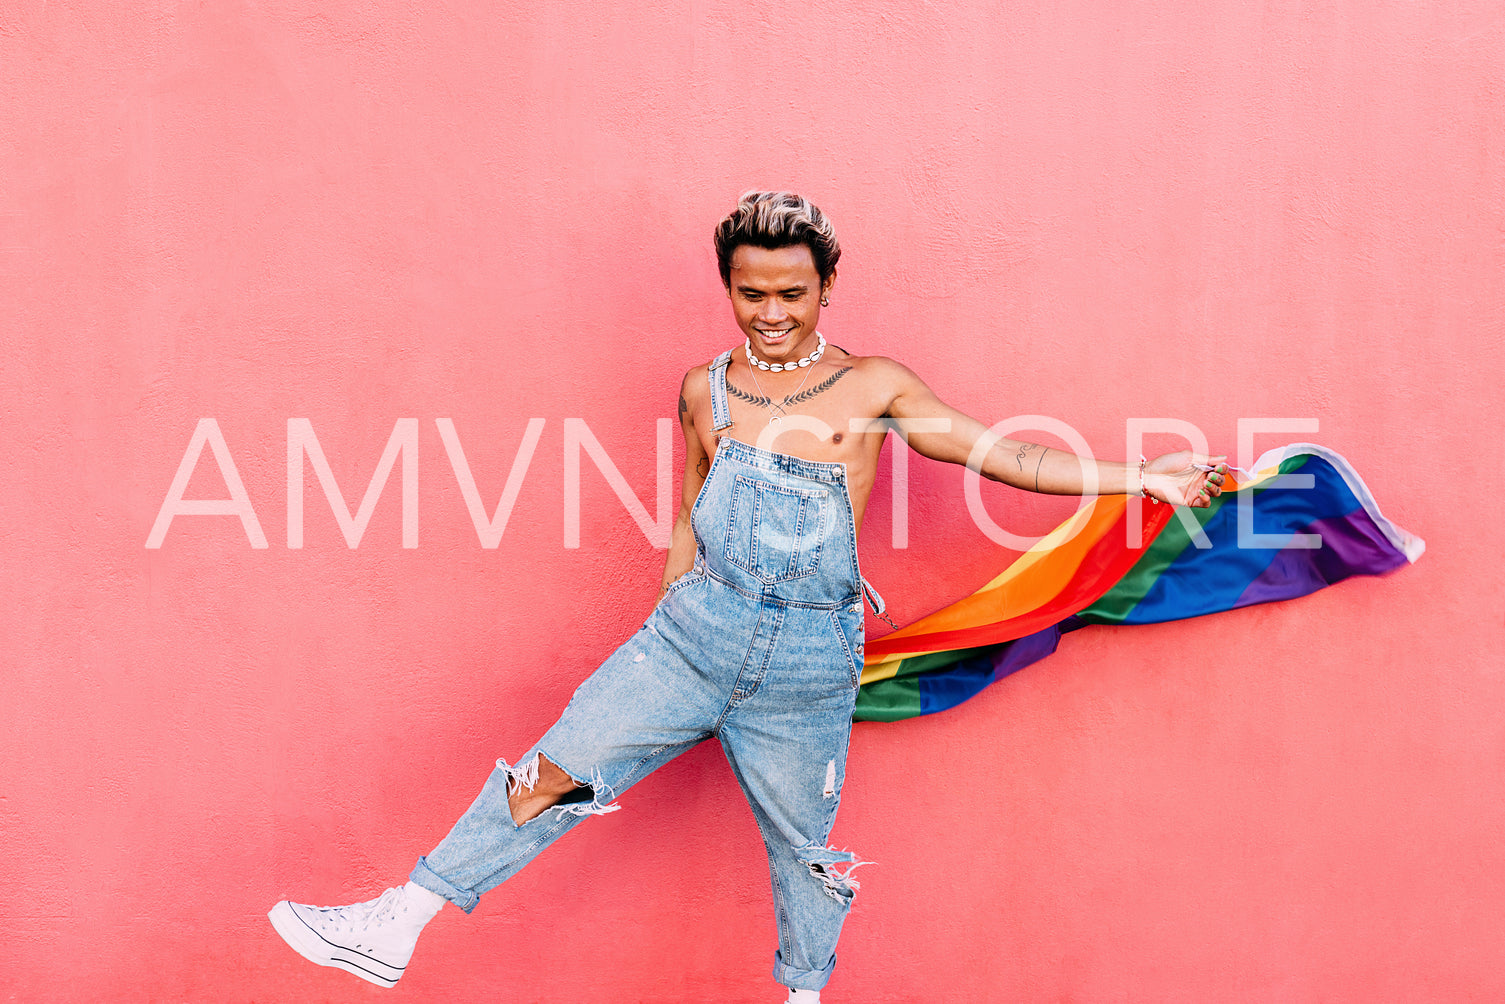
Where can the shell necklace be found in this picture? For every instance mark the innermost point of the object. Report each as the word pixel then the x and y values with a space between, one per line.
pixel 808 361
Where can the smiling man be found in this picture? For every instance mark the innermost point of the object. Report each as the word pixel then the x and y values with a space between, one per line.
pixel 757 637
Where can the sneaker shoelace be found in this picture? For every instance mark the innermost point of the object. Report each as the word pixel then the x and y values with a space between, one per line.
pixel 360 916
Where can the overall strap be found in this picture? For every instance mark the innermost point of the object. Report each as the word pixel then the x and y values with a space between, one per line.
pixel 721 414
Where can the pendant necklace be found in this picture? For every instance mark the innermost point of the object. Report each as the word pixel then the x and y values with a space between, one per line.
pixel 777 411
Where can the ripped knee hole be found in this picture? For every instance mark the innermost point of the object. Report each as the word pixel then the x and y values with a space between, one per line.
pixel 581 798
pixel 833 869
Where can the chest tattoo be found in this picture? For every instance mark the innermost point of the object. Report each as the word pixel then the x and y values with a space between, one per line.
pixel 761 401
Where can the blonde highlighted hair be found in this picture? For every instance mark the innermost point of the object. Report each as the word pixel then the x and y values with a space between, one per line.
pixel 777 220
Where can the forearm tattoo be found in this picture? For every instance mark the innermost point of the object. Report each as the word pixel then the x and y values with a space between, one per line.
pixel 760 401
pixel 1025 448
pixel 703 466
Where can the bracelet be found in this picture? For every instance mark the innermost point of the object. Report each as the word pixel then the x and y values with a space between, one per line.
pixel 1142 493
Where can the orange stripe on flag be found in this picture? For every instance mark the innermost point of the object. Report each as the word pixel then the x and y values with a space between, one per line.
pixel 1053 581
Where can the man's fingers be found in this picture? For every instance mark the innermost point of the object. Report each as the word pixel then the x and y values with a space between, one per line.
pixel 1204 461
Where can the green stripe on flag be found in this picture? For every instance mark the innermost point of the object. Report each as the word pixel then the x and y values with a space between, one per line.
pixel 889 700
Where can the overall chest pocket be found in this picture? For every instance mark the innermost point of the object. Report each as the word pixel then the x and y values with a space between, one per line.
pixel 775 532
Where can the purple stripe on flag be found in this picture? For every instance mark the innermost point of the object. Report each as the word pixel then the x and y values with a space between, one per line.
pixel 1351 545
pixel 1020 652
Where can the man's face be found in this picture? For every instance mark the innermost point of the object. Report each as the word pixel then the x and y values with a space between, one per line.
pixel 776 298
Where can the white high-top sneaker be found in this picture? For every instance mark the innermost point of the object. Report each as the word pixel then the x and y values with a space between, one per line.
pixel 373 940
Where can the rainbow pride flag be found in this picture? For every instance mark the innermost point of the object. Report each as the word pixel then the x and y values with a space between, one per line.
pixel 1303 521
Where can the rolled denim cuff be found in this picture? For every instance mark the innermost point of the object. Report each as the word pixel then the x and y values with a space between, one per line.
pixel 801 979
pixel 425 876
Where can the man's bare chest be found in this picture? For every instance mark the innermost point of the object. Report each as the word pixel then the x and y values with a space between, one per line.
pixel 829 415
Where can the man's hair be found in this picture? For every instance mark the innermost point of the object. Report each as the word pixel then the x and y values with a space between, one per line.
pixel 777 220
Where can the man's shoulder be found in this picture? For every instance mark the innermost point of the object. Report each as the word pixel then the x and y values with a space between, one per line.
pixel 878 369
pixel 699 371
pixel 696 383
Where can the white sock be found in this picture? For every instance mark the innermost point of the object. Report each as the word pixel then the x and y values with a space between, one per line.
pixel 803 996
pixel 425 904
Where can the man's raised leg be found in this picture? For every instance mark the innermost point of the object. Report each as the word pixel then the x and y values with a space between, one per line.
pixel 506 827
pixel 644 706
pixel 375 940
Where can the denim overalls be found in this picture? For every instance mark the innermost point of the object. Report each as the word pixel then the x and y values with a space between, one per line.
pixel 759 645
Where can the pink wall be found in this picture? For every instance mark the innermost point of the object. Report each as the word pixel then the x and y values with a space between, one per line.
pixel 355 213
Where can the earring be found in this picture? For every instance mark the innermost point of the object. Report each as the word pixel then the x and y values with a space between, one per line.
pixel 825 302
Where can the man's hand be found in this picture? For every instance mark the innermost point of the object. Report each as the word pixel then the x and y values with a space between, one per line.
pixel 1186 478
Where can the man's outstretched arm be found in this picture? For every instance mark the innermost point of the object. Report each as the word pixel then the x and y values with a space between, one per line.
pixel 1179 478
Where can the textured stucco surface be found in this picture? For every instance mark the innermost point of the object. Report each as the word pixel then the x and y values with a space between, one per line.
pixel 491 213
